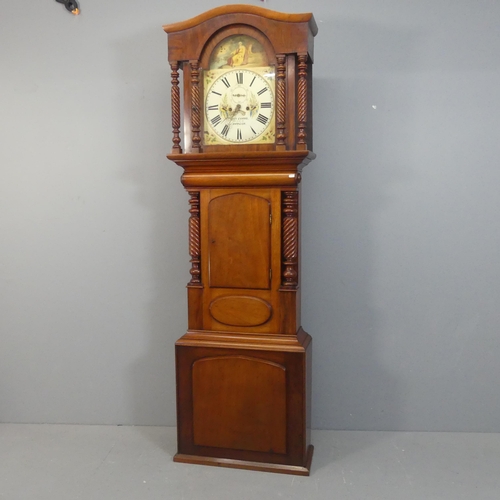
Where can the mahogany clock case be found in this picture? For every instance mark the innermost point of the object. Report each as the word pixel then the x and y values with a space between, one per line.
pixel 243 366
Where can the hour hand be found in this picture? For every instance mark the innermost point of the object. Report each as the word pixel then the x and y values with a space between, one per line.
pixel 236 111
pixel 231 115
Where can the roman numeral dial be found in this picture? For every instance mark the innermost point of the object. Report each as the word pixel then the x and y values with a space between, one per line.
pixel 239 106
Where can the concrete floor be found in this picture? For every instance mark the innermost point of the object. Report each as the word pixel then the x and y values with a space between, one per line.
pixel 73 462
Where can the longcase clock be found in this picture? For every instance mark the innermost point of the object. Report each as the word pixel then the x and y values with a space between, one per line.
pixel 242 131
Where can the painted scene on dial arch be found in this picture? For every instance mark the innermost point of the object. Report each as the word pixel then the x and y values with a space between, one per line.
pixel 237 51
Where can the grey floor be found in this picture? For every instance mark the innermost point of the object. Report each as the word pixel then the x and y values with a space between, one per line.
pixel 70 462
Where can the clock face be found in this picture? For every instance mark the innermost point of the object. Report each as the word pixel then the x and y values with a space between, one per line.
pixel 239 106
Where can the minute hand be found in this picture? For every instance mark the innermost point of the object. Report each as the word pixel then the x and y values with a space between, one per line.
pixel 230 118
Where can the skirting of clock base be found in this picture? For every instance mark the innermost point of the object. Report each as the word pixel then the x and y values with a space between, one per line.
pixel 248 465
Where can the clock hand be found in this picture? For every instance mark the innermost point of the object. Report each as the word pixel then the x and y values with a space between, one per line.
pixel 236 111
pixel 229 119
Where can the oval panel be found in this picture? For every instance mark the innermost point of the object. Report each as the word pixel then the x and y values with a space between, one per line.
pixel 240 310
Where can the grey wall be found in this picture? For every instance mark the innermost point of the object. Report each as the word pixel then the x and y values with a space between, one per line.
pixel 400 214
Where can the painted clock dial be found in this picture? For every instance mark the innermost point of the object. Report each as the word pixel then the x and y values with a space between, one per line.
pixel 239 106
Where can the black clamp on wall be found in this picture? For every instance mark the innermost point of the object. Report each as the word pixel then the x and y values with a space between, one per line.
pixel 71 6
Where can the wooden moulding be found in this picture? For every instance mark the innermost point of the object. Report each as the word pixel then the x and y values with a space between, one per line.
pixel 236 159
pixel 250 169
pixel 296 470
pixel 228 340
pixel 242 179
pixel 242 9
pixel 288 33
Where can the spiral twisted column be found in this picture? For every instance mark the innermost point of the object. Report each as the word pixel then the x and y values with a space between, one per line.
pixel 195 106
pixel 290 242
pixel 281 102
pixel 176 108
pixel 194 237
pixel 302 100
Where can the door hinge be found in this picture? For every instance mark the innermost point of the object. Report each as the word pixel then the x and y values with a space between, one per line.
pixel 270 218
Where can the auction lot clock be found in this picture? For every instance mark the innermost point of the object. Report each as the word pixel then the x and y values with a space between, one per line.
pixel 242 132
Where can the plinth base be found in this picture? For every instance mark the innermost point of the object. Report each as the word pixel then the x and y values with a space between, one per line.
pixel 243 464
pixel 243 401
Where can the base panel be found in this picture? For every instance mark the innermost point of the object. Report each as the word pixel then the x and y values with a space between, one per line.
pixel 243 464
pixel 244 406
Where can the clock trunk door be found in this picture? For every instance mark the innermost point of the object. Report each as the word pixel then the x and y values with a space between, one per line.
pixel 239 238
pixel 238 267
